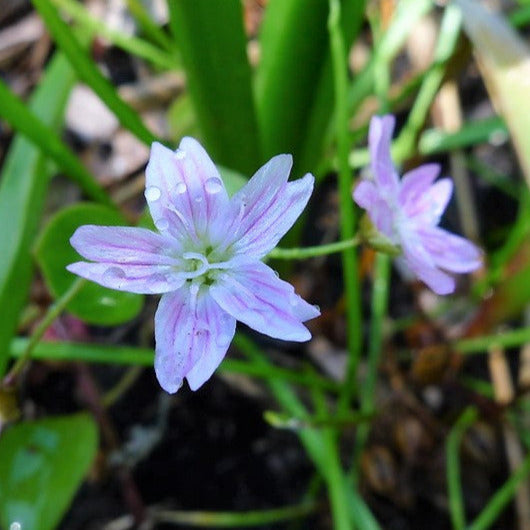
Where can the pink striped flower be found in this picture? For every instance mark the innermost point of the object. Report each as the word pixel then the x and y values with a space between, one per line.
pixel 205 259
pixel 407 213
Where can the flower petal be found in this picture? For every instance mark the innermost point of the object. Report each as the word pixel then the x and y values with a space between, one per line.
pixel 184 190
pixel 379 142
pixel 192 336
pixel 449 251
pixel 124 244
pixel 365 194
pixel 416 182
pixel 429 207
pixel 254 295
pixel 268 206
pixel 141 279
pixel 424 268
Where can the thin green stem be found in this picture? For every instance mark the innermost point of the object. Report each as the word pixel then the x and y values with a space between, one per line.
pixel 379 310
pixel 505 339
pixel 454 484
pixel 348 217
pixel 312 252
pixel 502 497
pixel 235 519
pixel 128 355
pixel 53 312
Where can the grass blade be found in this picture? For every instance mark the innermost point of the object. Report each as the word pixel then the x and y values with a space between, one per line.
pixel 212 44
pixel 23 120
pixel 23 184
pixel 89 73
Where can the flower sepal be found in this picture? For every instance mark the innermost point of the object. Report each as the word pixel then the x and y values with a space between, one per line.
pixel 369 235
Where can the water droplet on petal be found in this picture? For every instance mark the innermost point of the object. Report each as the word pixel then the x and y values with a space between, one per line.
pixel 112 274
pixel 181 188
pixel 180 154
pixel 162 224
pixel 213 185
pixel 317 307
pixel 276 273
pixel 157 282
pixel 198 199
pixel 152 193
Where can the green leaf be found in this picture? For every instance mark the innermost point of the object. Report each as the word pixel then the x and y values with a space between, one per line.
pixel 504 61
pixel 23 182
pixel 89 73
pixel 42 464
pixel 294 90
pixel 93 303
pixel 212 43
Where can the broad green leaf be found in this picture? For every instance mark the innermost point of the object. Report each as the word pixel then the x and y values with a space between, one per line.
pixel 42 464
pixel 89 73
pixel 23 182
pixel 93 303
pixel 26 122
pixel 212 44
pixel 504 60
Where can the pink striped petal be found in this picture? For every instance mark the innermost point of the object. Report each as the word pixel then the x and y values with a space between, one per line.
pixel 125 244
pixel 254 295
pixel 184 190
pixel 379 142
pixel 192 336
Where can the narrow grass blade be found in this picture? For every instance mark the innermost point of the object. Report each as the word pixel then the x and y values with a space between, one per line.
pixel 129 43
pixel 26 122
pixel 89 73
pixel 23 183
pixel 212 44
pixel 294 86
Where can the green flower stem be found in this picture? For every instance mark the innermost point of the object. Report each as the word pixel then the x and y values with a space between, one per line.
pixel 454 484
pixel 347 212
pixel 235 519
pixel 53 312
pixel 502 497
pixel 128 355
pixel 312 252
pixel 379 309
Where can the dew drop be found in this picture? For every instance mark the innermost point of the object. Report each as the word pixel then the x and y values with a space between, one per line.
pixel 181 188
pixel 180 154
pixel 276 273
pixel 213 185
pixel 112 274
pixel 156 282
pixel 152 193
pixel 198 199
pixel 162 224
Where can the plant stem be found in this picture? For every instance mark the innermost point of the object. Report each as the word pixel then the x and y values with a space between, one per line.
pixel 53 312
pixel 312 252
pixel 502 497
pixel 454 484
pixel 235 519
pixel 379 308
pixel 347 212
